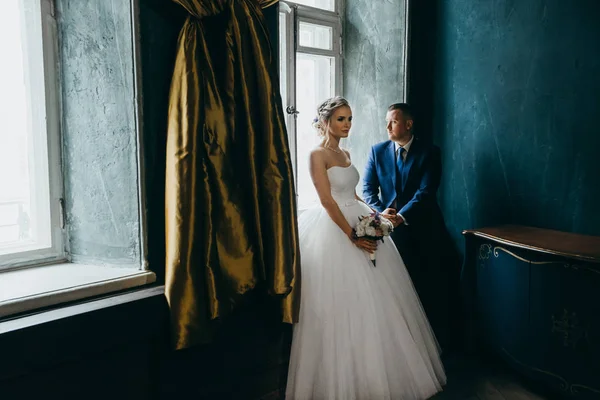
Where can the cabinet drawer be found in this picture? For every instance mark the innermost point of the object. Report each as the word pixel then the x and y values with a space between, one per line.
pixel 565 325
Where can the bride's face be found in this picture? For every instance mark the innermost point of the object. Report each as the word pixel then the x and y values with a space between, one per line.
pixel 340 122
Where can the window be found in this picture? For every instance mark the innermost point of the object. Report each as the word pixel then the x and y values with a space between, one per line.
pixel 71 198
pixel 30 179
pixel 310 53
pixel 328 5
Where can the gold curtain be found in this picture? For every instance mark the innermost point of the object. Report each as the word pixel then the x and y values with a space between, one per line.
pixel 230 201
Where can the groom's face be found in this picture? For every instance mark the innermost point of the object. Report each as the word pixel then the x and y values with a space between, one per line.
pixel 398 127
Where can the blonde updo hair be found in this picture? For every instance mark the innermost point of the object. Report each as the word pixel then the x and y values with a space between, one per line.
pixel 324 113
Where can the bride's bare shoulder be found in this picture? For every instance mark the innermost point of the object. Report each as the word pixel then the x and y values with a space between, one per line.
pixel 318 153
pixel 318 156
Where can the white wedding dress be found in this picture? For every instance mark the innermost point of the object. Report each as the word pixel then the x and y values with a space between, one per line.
pixel 362 332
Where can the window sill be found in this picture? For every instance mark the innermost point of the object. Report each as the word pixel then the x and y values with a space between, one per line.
pixel 38 287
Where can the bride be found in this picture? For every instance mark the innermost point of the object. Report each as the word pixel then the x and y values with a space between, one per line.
pixel 362 332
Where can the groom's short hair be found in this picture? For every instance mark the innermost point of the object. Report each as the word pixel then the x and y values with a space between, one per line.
pixel 405 108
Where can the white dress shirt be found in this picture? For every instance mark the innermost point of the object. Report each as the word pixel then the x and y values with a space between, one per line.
pixel 406 148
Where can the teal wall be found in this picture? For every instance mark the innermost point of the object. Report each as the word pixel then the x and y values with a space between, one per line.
pixel 160 23
pixel 509 90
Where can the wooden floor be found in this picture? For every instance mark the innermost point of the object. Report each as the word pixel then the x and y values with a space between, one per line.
pixel 470 379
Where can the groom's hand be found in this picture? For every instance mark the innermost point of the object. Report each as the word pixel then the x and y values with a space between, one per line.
pixel 391 215
pixel 389 211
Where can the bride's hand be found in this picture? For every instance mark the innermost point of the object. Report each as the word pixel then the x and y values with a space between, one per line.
pixel 364 244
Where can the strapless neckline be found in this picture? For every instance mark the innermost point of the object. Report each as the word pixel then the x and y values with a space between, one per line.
pixel 339 166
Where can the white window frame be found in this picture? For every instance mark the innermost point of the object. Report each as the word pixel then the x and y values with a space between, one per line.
pixel 296 13
pixel 46 123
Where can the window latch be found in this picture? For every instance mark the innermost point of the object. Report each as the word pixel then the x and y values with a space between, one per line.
pixel 292 110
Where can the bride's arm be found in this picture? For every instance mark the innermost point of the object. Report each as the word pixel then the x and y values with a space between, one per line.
pixel 362 201
pixel 318 173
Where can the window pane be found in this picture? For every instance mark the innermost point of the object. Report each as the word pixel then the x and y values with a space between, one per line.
pixel 323 4
pixel 24 194
pixel 314 83
pixel 283 58
pixel 316 36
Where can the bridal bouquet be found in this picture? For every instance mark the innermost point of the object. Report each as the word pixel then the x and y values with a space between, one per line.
pixel 373 227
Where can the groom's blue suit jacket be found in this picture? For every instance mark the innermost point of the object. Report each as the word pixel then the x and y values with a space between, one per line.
pixel 424 243
pixel 416 199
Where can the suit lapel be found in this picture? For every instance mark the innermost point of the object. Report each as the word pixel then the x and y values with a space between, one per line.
pixel 390 155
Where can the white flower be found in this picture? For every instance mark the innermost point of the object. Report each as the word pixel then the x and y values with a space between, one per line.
pixel 387 227
pixel 370 231
pixel 360 230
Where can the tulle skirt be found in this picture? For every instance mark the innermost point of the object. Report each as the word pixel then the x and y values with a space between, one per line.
pixel 362 332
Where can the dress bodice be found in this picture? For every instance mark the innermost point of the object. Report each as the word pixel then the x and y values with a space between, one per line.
pixel 343 181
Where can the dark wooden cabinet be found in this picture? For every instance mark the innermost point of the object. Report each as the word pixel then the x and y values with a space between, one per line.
pixel 533 297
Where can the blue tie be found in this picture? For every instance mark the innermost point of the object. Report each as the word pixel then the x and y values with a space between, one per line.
pixel 400 169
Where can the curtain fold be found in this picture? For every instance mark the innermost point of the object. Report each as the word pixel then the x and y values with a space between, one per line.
pixel 230 200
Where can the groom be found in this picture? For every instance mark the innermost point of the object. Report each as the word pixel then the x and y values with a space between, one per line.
pixel 401 179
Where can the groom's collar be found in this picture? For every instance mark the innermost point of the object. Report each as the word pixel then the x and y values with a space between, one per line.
pixel 406 146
